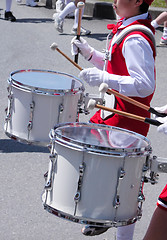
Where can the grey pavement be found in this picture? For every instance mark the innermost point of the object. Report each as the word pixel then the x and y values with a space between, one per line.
pixel 25 45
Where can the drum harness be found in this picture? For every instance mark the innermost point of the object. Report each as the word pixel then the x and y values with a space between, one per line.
pixel 122 35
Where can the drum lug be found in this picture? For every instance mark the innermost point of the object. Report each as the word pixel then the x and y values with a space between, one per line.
pixel 141 197
pixel 45 175
pixel 30 123
pixel 77 196
pixel 49 174
pixel 81 174
pixel 8 111
pixel 117 195
pixel 61 109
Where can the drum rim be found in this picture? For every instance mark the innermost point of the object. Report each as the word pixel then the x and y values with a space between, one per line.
pixel 54 136
pixel 89 221
pixel 40 90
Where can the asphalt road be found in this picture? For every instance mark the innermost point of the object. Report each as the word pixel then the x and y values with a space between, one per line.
pixel 25 44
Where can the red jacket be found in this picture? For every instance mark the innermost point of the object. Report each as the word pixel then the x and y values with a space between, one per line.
pixel 121 69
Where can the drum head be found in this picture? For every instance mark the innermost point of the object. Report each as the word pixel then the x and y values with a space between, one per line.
pixel 46 80
pixel 100 138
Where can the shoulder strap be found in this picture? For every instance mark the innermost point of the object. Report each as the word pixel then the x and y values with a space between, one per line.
pixel 135 27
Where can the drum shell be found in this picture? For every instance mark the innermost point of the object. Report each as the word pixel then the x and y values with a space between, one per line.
pixel 46 113
pixel 99 184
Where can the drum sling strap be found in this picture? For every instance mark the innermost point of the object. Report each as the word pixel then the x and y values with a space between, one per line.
pixel 130 29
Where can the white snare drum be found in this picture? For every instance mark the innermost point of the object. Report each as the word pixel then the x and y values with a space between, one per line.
pixel 96 174
pixel 38 100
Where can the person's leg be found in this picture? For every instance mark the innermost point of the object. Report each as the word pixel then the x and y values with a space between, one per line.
pixel 8 5
pixel 125 232
pixel 8 14
pixel 163 40
pixel 68 9
pixel 59 17
pixel 67 2
pixel 76 18
pixel 159 20
pixel 158 226
pixel 60 5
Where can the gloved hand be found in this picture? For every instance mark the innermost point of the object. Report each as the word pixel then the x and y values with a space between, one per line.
pixel 161 109
pixel 163 120
pixel 94 76
pixel 162 127
pixel 82 47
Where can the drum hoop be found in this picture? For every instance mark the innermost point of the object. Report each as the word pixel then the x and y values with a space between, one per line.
pixel 114 152
pixel 28 142
pixel 87 221
pixel 58 138
pixel 93 149
pixel 45 91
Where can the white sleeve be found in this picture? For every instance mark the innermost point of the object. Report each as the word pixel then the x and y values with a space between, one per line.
pixel 140 65
pixel 97 59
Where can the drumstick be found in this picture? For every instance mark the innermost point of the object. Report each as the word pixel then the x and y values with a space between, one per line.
pixel 92 104
pixel 54 46
pixel 80 5
pixel 104 88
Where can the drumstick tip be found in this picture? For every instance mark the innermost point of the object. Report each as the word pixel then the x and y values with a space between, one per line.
pixel 80 5
pixel 103 88
pixel 54 46
pixel 91 104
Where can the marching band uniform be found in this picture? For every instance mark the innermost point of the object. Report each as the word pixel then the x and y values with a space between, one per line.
pixel 162 200
pixel 122 70
pixel 157 226
pixel 130 71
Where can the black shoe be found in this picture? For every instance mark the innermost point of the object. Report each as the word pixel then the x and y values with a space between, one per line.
pixel 93 230
pixel 9 16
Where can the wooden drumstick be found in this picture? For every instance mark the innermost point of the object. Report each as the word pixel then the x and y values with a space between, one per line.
pixel 80 5
pixel 54 46
pixel 104 88
pixel 92 104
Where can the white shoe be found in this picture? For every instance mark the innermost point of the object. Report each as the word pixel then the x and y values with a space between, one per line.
pixel 83 31
pixel 18 1
pixel 54 16
pixel 31 3
pixel 58 23
pixel 163 41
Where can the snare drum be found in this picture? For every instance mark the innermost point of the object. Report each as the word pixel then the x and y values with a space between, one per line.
pixel 38 100
pixel 96 174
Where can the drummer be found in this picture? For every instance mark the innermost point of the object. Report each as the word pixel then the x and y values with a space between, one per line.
pixel 158 224
pixel 130 71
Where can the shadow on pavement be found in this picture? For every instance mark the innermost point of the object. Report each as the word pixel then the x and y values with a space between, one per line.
pixel 32 20
pixel 12 146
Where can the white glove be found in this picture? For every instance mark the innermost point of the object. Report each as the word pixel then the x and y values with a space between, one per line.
pixel 161 109
pixel 94 76
pixel 163 126
pixel 163 120
pixel 82 47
